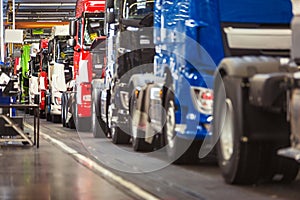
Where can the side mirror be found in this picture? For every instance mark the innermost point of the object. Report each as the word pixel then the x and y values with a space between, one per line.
pixel 110 17
pixel 31 66
pixel 50 46
pixel 72 42
pixel 73 28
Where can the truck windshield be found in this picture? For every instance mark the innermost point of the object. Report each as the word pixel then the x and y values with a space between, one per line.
pixel 63 51
pixel 44 62
pixel 94 27
pixel 36 65
pixel 137 9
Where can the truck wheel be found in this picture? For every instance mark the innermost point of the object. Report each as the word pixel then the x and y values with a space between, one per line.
pixel 55 118
pixel 98 125
pixel 138 136
pixel 239 162
pixel 31 111
pixel 71 123
pixel 47 113
pixel 63 109
pixel 118 136
pixel 42 114
pixel 139 143
pixel 179 150
pixel 26 110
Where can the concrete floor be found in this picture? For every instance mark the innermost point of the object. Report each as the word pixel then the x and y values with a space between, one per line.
pixel 51 173
pixel 48 173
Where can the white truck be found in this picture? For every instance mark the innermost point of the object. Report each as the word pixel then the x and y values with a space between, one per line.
pixel 59 52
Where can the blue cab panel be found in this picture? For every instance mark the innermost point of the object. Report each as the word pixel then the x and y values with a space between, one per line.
pixel 256 11
pixel 189 45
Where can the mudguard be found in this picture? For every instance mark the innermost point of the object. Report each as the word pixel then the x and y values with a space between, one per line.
pixel 248 66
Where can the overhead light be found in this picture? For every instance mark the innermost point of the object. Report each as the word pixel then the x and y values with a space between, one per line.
pixel 48 21
pixel 38 18
pixel 47 4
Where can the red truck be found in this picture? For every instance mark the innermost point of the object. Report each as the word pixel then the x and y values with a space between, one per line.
pixel 87 25
pixel 38 76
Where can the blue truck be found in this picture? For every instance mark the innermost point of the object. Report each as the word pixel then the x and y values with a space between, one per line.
pixel 175 110
pixel 191 39
pixel 196 94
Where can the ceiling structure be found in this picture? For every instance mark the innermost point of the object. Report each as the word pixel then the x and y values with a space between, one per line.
pixel 41 11
pixel 38 14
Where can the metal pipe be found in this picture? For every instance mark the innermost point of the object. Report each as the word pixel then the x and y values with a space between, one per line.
pixel 1 31
pixel 14 13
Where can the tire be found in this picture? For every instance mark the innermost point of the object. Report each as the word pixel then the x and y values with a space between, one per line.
pixel 31 111
pixel 138 136
pixel 98 125
pixel 63 110
pixel 37 99
pixel 26 110
pixel 139 143
pixel 71 124
pixel 118 136
pixel 56 118
pixel 179 150
pixel 47 113
pixel 42 114
pixel 239 162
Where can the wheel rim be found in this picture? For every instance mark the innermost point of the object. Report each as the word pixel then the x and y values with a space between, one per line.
pixel 75 117
pixel 170 124
pixel 226 138
pixel 63 110
pixel 109 117
pixel 113 134
pixel 93 117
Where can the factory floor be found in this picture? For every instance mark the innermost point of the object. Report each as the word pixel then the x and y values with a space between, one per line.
pixel 48 173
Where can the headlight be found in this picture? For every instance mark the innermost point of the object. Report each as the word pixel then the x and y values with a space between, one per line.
pixel 202 99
